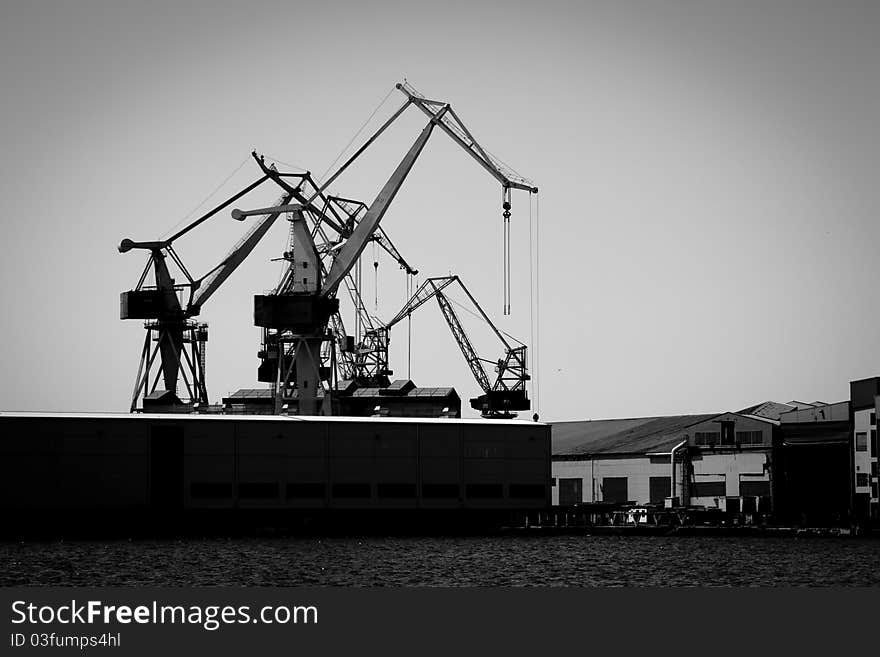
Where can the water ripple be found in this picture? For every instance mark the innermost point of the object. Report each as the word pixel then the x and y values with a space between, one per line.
pixel 487 561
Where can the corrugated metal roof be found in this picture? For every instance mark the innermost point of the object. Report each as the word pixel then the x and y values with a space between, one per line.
pixel 415 392
pixel 162 395
pixel 432 392
pixel 366 392
pixel 768 409
pixel 251 393
pixel 761 418
pixel 624 436
pixel 262 395
pixel 827 413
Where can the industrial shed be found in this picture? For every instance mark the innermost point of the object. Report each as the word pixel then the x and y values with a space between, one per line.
pixel 713 460
pixel 814 465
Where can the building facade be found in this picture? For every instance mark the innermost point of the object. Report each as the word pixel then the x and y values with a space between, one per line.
pixel 865 403
pixel 719 461
pixel 809 464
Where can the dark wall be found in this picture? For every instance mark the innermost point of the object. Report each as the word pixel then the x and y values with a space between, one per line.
pixel 814 486
pixel 862 393
pixel 237 462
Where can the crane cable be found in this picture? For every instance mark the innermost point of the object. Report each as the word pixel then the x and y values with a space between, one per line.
pixel 532 305
pixel 409 287
pixel 536 387
pixel 207 198
pixel 481 318
pixel 357 134
pixel 505 205
pixel 292 165
pixel 357 302
pixel 375 280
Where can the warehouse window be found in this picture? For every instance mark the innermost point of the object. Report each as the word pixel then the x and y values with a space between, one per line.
pixel 709 489
pixel 358 491
pixel 259 490
pixel 660 489
pixel 754 488
pixel 861 441
pixel 659 460
pixel 861 479
pixel 527 491
pixel 727 433
pixel 553 482
pixel 440 491
pixel 750 437
pixel 874 442
pixel 708 438
pixel 571 491
pixel 396 490
pixel 484 491
pixel 210 490
pixel 873 419
pixel 305 491
pixel 615 489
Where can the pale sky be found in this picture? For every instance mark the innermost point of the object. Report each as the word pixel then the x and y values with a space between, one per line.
pixel 708 174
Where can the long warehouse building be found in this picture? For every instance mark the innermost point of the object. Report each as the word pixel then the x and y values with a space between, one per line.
pixel 91 468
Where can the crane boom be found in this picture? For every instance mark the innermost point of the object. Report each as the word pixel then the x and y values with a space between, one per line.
pixel 464 343
pixel 208 284
pixel 448 120
pixel 508 392
pixel 425 292
pixel 179 347
pixel 355 244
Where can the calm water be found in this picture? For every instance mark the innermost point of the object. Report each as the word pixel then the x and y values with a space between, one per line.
pixel 496 561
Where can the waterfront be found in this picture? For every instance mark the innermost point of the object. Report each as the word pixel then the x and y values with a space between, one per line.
pixel 461 561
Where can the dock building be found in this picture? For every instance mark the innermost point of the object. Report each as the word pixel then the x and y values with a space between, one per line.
pixel 719 460
pixel 865 401
pixel 134 471
pixel 805 463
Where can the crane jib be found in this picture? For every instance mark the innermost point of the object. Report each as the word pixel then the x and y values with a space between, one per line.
pixel 355 244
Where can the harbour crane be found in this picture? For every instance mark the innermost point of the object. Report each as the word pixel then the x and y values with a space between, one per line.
pixel 175 342
pixel 169 308
pixel 505 395
pixel 295 316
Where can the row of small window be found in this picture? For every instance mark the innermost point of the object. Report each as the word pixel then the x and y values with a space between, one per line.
pixel 862 441
pixel 616 489
pixel 292 491
pixel 863 481
pixel 712 438
pixel 719 489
